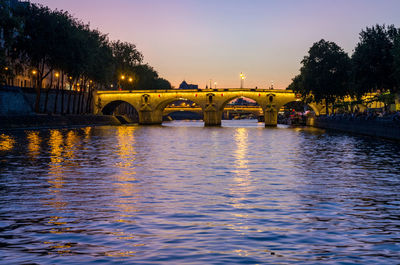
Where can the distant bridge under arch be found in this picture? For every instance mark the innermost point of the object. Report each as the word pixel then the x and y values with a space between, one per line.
pixel 150 104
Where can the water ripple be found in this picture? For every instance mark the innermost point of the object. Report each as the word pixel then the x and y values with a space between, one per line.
pixel 185 194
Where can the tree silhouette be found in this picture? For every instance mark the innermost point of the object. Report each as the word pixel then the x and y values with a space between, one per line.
pixel 373 60
pixel 324 74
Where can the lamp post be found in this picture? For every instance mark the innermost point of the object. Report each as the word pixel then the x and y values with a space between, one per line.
pixel 122 78
pixel 242 78
pixel 57 75
pixel 34 73
pixel 215 85
pixel 7 74
pixel 130 80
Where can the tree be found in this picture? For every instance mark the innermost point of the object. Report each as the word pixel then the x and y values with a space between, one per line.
pixel 324 74
pixel 10 25
pixel 38 43
pixel 396 62
pixel 297 84
pixel 55 45
pixel 145 77
pixel 162 83
pixel 372 61
pixel 126 57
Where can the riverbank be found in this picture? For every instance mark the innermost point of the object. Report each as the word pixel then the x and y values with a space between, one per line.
pixel 57 121
pixel 375 128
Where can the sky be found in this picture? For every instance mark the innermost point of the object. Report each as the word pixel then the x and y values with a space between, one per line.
pixel 203 40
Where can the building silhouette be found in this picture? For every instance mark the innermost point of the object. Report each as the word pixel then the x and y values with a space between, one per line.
pixel 185 85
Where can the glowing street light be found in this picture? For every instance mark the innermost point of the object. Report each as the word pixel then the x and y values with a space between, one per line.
pixel 122 77
pixel 34 72
pixel 130 79
pixel 215 85
pixel 57 75
pixel 242 78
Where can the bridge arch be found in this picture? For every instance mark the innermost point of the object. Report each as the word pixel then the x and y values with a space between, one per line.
pixel 226 101
pixel 111 107
pixel 257 111
pixel 314 107
pixel 162 105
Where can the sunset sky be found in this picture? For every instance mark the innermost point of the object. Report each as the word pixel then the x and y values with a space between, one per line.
pixel 199 40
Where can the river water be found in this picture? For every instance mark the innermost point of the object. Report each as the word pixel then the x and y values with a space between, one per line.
pixel 184 194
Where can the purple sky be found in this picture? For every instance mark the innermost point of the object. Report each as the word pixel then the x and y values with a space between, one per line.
pixel 199 40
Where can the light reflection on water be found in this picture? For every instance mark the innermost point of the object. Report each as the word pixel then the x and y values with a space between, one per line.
pixel 182 193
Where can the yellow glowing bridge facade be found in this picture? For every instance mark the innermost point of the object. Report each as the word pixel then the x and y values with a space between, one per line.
pixel 150 104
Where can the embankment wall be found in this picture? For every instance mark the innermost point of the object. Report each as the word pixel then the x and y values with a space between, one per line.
pixel 376 128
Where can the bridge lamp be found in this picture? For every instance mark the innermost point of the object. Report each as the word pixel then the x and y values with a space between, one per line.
pixel 130 79
pixel 242 78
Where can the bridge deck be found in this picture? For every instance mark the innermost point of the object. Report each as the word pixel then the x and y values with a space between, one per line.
pixel 194 90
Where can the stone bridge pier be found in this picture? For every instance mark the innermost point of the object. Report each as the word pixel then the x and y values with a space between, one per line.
pixel 150 104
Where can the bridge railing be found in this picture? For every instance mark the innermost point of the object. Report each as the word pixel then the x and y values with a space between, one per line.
pixel 194 90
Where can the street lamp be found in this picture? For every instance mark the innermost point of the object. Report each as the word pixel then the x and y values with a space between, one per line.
pixel 34 73
pixel 122 78
pixel 242 78
pixel 215 85
pixel 130 79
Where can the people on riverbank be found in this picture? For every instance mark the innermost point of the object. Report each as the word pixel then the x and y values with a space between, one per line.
pixel 370 114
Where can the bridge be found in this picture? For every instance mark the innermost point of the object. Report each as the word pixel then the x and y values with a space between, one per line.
pixel 150 104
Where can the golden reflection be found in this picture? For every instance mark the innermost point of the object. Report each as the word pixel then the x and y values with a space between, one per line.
pixel 55 221
pixel 55 174
pixel 71 140
pixel 242 171
pixel 125 180
pixel 242 180
pixel 56 143
pixel 120 254
pixel 87 131
pixel 6 142
pixel 33 144
pixel 62 248
pixel 126 149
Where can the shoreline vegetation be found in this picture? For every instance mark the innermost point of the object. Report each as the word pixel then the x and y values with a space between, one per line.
pixel 328 75
pixel 50 50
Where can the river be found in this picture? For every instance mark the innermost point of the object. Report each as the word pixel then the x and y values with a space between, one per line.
pixel 184 194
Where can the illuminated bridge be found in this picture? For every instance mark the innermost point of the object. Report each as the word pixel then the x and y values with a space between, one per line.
pixel 150 104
